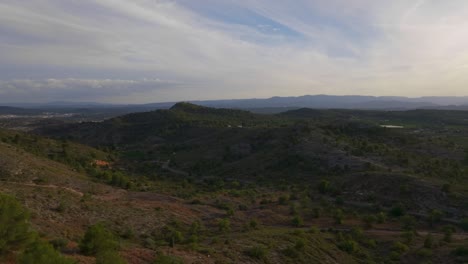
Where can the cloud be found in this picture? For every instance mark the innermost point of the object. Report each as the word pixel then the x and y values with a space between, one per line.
pixel 26 90
pixel 235 49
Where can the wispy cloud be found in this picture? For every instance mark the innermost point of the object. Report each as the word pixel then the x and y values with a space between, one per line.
pixel 100 90
pixel 227 49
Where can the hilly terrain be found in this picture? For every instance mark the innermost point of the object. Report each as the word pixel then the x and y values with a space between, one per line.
pixel 193 184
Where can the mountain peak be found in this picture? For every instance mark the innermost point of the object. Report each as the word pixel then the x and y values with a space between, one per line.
pixel 184 106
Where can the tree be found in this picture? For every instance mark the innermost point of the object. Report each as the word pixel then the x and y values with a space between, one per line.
pixel 429 241
pixel 224 225
pixel 15 231
pixel 323 186
pixel 369 220
pixel 297 221
pixel 448 232
pixel 338 216
pixel 43 253
pixel 98 239
pixel 435 216
pixel 109 257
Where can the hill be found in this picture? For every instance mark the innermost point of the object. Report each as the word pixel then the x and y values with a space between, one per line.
pixel 304 186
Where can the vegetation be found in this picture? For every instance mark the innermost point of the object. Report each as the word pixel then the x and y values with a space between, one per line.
pixel 16 235
pixel 305 186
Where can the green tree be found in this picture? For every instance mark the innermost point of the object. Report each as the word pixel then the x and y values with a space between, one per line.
pixel 98 239
pixel 338 216
pixel 109 257
pixel 166 259
pixel 224 225
pixel 15 231
pixel 369 220
pixel 323 186
pixel 297 221
pixel 43 253
pixel 435 216
pixel 429 241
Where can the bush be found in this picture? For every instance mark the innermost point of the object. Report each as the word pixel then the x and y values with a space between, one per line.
pixel 348 246
pixel 338 216
pixel 408 222
pixel 381 217
pixel 297 221
pixel 42 253
pixel 429 241
pixel 59 243
pixel 408 236
pixel 316 212
pixel 399 247
pixel 253 224
pixel 98 239
pixel 448 232
pixel 461 251
pixel 224 225
pixel 290 252
pixel 323 187
pixel 300 244
pixel 167 259
pixel 257 252
pixel 397 211
pixel 15 230
pixel 464 224
pixel 424 252
pixel 369 220
pixel 282 200
pixel 109 257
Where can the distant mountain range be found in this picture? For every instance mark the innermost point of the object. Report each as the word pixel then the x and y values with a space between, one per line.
pixel 338 102
pixel 277 104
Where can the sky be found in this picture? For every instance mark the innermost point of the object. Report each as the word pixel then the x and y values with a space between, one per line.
pixel 141 51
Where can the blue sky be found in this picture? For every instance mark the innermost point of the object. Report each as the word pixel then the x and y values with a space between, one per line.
pixel 163 50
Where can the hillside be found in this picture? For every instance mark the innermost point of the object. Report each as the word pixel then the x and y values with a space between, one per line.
pixel 220 185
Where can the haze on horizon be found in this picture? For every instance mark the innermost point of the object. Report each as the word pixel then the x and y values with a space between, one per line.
pixel 143 51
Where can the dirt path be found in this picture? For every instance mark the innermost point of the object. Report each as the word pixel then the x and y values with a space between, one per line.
pixel 49 186
pixel 165 165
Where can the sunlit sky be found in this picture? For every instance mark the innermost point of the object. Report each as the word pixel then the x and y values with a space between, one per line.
pixel 139 51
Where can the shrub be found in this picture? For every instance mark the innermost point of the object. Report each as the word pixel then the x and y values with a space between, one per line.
pixel 316 212
pixel 381 217
pixel 42 253
pixel 300 244
pixel 257 252
pixel 429 241
pixel 424 252
pixel 253 224
pixel 282 200
pixel 109 257
pixel 15 230
pixel 369 220
pixel 59 243
pixel 297 221
pixel 399 247
pixel 448 232
pixel 167 259
pixel 397 210
pixel 408 236
pixel 464 224
pixel 98 239
pixel 348 246
pixel 461 251
pixel 408 222
pixel 323 187
pixel 338 216
pixel 290 252
pixel 224 225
